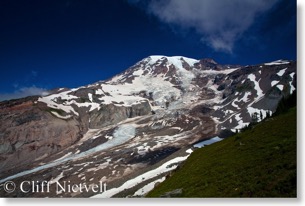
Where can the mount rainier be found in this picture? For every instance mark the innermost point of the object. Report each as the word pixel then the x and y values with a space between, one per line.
pixel 131 130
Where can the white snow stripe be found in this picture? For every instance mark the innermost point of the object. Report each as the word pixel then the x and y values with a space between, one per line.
pixel 143 177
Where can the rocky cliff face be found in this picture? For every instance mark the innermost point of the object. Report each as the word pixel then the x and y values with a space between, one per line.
pixel 117 129
pixel 29 132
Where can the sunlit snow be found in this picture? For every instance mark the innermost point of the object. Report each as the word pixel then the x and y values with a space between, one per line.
pixel 207 142
pixel 259 91
pixel 274 83
pixel 280 87
pixel 166 167
pixel 281 72
pixel 277 62
pixel 292 88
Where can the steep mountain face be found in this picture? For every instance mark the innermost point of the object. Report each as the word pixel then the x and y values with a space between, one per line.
pixel 141 120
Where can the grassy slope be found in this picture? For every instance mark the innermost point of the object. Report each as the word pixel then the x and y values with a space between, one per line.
pixel 260 162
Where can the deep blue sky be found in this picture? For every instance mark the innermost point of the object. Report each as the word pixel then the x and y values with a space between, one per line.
pixel 64 43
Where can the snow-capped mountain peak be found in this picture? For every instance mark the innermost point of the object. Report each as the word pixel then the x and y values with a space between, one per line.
pixel 177 61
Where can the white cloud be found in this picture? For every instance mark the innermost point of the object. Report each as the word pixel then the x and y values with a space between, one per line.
pixel 24 92
pixel 219 22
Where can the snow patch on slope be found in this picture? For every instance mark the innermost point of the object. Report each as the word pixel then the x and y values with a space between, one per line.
pixel 90 97
pixel 60 116
pixel 252 110
pixel 245 97
pixel 277 62
pixel 280 87
pixel 147 188
pixel 259 91
pixel 234 104
pixel 65 96
pixel 274 83
pixel 292 88
pixel 241 123
pixel 281 72
pixel 207 142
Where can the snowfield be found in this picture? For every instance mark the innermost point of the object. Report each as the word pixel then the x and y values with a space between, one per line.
pixel 277 62
pixel 207 142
